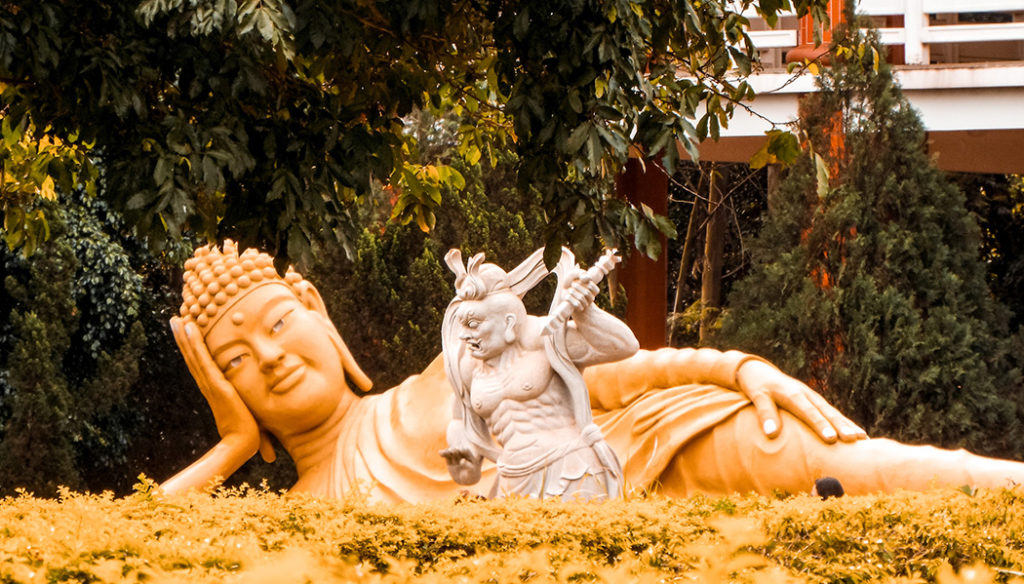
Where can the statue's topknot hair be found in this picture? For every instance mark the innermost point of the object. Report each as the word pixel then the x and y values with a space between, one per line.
pixel 216 279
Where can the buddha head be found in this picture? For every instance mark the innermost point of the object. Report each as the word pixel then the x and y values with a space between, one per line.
pixel 269 336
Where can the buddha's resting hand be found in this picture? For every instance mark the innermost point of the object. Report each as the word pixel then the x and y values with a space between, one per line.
pixel 239 432
pixel 770 389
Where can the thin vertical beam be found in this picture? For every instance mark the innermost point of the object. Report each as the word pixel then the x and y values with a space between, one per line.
pixel 714 249
pixel 914 23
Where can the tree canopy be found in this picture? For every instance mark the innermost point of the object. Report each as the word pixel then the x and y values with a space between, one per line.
pixel 270 120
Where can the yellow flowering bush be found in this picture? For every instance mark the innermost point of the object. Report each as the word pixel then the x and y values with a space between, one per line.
pixel 255 536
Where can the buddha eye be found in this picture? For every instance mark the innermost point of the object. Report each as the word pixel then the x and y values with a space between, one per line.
pixel 233 364
pixel 281 322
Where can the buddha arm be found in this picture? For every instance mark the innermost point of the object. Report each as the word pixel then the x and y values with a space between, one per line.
pixel 616 385
pixel 219 462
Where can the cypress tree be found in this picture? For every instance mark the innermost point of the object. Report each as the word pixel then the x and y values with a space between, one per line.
pixel 867 280
pixel 36 444
pixel 69 349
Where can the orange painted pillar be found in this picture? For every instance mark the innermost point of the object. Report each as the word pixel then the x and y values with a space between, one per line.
pixel 645 280
pixel 806 49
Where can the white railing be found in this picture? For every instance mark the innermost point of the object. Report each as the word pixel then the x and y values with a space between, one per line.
pixel 926 24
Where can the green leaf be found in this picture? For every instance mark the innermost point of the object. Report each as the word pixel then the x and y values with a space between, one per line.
pixel 264 25
pixel 761 158
pixel 574 102
pixel 609 113
pixel 594 151
pixel 821 175
pixel 702 127
pixel 780 147
pixel 138 200
pixel 10 138
pixel 162 170
pixel 552 251
pixel 665 225
pixel 522 23
pixel 577 138
pixel 425 219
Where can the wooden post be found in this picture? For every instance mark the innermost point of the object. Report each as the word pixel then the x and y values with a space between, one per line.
pixel 806 48
pixel 773 179
pixel 645 280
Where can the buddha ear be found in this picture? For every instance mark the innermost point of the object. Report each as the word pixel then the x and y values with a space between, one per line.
pixel 267 447
pixel 311 299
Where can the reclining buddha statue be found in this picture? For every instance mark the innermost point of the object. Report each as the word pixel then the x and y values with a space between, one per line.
pixel 680 421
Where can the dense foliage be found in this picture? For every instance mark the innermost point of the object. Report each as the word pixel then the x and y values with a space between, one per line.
pixel 998 202
pixel 269 121
pixel 71 342
pixel 258 536
pixel 868 280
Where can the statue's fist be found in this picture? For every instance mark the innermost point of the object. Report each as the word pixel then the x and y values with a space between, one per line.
pixel 581 291
pixel 463 465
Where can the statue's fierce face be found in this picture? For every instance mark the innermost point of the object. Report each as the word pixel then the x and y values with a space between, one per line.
pixel 279 355
pixel 488 327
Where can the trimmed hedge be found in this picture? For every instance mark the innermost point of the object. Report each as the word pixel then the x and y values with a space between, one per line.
pixel 253 535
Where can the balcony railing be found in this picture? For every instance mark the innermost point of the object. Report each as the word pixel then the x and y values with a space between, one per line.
pixel 922 32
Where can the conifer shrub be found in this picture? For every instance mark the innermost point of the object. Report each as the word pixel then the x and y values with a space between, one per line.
pixel 866 277
pixel 70 342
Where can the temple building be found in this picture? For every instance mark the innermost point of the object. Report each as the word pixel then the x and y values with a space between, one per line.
pixel 960 64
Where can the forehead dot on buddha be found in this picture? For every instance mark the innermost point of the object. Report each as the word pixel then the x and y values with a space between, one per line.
pixel 238 318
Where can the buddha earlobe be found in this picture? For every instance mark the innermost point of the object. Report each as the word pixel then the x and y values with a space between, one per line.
pixel 267 447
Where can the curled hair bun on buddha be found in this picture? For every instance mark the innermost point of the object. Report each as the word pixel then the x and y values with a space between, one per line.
pixel 217 278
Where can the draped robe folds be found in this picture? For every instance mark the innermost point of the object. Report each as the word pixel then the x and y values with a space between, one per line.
pixel 674 421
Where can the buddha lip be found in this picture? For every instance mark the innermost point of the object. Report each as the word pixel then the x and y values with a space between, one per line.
pixel 289 379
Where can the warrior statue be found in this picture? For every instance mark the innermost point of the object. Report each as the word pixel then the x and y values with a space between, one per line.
pixel 517 378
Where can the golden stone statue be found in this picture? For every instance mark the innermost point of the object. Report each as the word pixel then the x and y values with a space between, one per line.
pixel 681 421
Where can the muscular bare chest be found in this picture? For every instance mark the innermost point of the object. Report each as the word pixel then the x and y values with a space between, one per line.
pixel 524 379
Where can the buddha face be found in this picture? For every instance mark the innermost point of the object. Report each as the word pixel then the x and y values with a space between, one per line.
pixel 279 355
